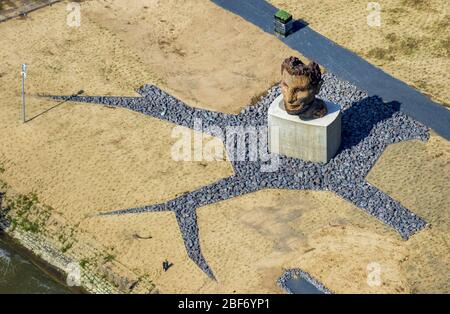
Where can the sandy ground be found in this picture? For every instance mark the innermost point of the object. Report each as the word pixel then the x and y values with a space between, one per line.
pixel 85 158
pixel 209 57
pixel 412 43
pixel 81 159
pixel 429 164
pixel 145 255
pixel 421 182
pixel 248 241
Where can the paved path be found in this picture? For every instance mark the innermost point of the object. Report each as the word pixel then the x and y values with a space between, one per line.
pixel 347 65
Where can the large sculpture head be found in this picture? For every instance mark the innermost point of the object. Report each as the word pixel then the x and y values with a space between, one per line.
pixel 300 84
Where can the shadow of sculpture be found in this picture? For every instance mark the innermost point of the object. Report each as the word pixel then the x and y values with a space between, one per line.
pixel 362 116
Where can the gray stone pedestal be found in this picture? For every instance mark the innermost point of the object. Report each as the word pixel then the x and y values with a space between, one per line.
pixel 316 140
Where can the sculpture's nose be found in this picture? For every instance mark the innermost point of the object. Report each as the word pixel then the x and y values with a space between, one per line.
pixel 295 99
pixel 290 97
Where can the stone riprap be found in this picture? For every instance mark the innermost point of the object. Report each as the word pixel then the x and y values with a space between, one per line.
pixel 368 127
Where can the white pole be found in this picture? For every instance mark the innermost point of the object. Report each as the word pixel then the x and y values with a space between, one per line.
pixel 24 74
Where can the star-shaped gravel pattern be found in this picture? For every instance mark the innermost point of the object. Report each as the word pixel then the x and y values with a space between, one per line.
pixel 368 127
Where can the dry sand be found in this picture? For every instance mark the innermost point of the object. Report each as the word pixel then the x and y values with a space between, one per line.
pixel 248 241
pixel 412 43
pixel 418 175
pixel 144 256
pixel 203 54
pixel 82 159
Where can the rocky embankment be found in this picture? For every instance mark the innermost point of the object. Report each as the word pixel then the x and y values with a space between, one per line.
pixel 77 263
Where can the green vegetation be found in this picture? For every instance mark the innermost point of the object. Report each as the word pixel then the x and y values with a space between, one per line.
pixel 391 37
pixel 406 46
pixel 283 16
pixel 67 239
pixel 381 54
pixel 444 47
pixel 83 263
pixel 66 247
pixel 414 3
pixel 421 84
pixel 109 258
pixel 3 185
pixel 146 280
pixel 27 214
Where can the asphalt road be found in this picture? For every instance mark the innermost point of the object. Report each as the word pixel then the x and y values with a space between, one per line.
pixel 347 65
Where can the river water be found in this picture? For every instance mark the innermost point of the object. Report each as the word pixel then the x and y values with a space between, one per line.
pixel 19 275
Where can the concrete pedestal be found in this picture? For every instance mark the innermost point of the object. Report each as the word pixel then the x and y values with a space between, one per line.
pixel 316 140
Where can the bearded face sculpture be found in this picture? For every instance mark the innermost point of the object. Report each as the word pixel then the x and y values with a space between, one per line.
pixel 300 84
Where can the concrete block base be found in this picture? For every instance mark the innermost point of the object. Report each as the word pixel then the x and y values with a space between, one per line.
pixel 316 140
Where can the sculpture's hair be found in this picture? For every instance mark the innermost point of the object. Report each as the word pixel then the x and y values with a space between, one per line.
pixel 295 66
